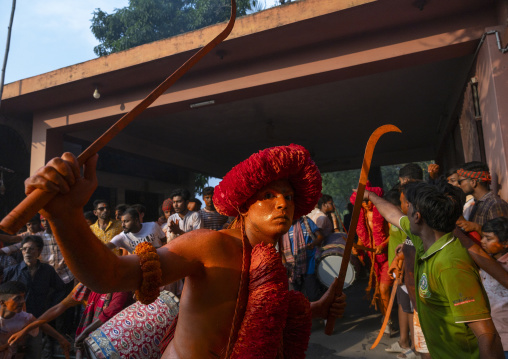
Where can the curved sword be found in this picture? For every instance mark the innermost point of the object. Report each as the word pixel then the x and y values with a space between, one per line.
pixel 20 215
pixel 390 304
pixel 362 183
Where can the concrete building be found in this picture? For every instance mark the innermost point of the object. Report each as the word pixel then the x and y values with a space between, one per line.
pixel 320 73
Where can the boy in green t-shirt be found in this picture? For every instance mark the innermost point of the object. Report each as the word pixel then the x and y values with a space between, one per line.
pixel 451 302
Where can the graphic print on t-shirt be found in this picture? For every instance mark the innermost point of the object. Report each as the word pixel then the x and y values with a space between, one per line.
pixel 423 287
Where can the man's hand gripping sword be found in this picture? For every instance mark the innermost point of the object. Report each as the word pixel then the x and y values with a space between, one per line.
pixel 367 159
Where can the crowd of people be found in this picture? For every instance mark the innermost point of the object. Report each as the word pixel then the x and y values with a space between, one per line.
pixel 242 257
pixel 33 267
pixel 452 296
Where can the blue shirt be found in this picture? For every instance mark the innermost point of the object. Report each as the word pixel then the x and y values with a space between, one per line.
pixel 38 287
pixel 311 253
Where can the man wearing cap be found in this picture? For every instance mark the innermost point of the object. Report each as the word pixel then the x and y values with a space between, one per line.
pixel 235 300
pixel 167 210
pixel 474 179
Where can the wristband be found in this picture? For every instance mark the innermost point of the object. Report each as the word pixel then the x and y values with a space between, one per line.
pixel 151 271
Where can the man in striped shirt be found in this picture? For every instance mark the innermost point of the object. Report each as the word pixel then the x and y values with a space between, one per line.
pixel 210 218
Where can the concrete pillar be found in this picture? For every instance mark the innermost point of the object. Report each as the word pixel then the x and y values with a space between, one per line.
pixel 492 74
pixel 39 140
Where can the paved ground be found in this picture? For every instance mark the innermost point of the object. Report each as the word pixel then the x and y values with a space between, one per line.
pixel 354 334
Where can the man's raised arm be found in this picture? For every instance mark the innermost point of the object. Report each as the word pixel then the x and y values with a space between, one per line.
pixel 390 212
pixel 8 239
pixel 86 256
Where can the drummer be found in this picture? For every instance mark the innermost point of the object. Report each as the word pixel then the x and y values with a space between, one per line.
pixel 299 256
pixel 320 215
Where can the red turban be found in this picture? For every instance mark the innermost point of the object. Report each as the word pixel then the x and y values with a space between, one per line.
pixel 167 205
pixel 291 162
pixel 482 176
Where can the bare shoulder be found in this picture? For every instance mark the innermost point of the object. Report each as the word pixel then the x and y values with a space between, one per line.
pixel 201 244
pixel 194 253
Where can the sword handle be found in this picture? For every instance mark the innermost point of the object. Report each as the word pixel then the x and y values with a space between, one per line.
pixel 24 211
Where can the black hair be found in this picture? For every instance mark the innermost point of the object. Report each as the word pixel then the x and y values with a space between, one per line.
pixel 35 239
pixel 180 192
pixel 208 191
pixel 121 207
pixel 198 202
pixel 139 207
pixel 90 216
pixel 35 219
pixel 99 201
pixel 393 196
pixel 440 206
pixel 324 199
pixel 350 207
pixel 403 187
pixel 12 287
pixel 411 171
pixel 451 171
pixel 133 212
pixel 477 166
pixel 498 226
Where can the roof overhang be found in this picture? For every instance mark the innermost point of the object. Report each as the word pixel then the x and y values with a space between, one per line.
pixel 321 73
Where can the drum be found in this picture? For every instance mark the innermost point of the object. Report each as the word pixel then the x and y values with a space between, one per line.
pixel 135 332
pixel 330 260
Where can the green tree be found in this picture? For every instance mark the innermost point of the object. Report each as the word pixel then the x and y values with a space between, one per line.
pixel 144 21
pixel 340 184
pixel 200 182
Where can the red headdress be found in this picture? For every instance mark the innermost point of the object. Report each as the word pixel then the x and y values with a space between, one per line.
pixel 482 176
pixel 167 205
pixel 291 162
pixel 379 230
pixel 379 234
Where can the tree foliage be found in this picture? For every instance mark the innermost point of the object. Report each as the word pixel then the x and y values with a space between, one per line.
pixel 340 185
pixel 200 182
pixel 144 21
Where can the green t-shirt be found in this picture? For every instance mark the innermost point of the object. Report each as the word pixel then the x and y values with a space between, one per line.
pixel 449 294
pixel 396 237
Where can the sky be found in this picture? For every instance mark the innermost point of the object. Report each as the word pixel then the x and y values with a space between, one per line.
pixel 51 34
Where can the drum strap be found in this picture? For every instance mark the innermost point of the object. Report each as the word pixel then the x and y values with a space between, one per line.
pixel 329 246
pixel 307 227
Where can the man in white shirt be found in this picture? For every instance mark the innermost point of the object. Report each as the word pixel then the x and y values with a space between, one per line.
pixel 135 232
pixel 319 214
pixel 183 220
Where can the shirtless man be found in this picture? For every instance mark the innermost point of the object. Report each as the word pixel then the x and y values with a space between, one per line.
pixel 372 232
pixel 210 261
pixel 380 245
